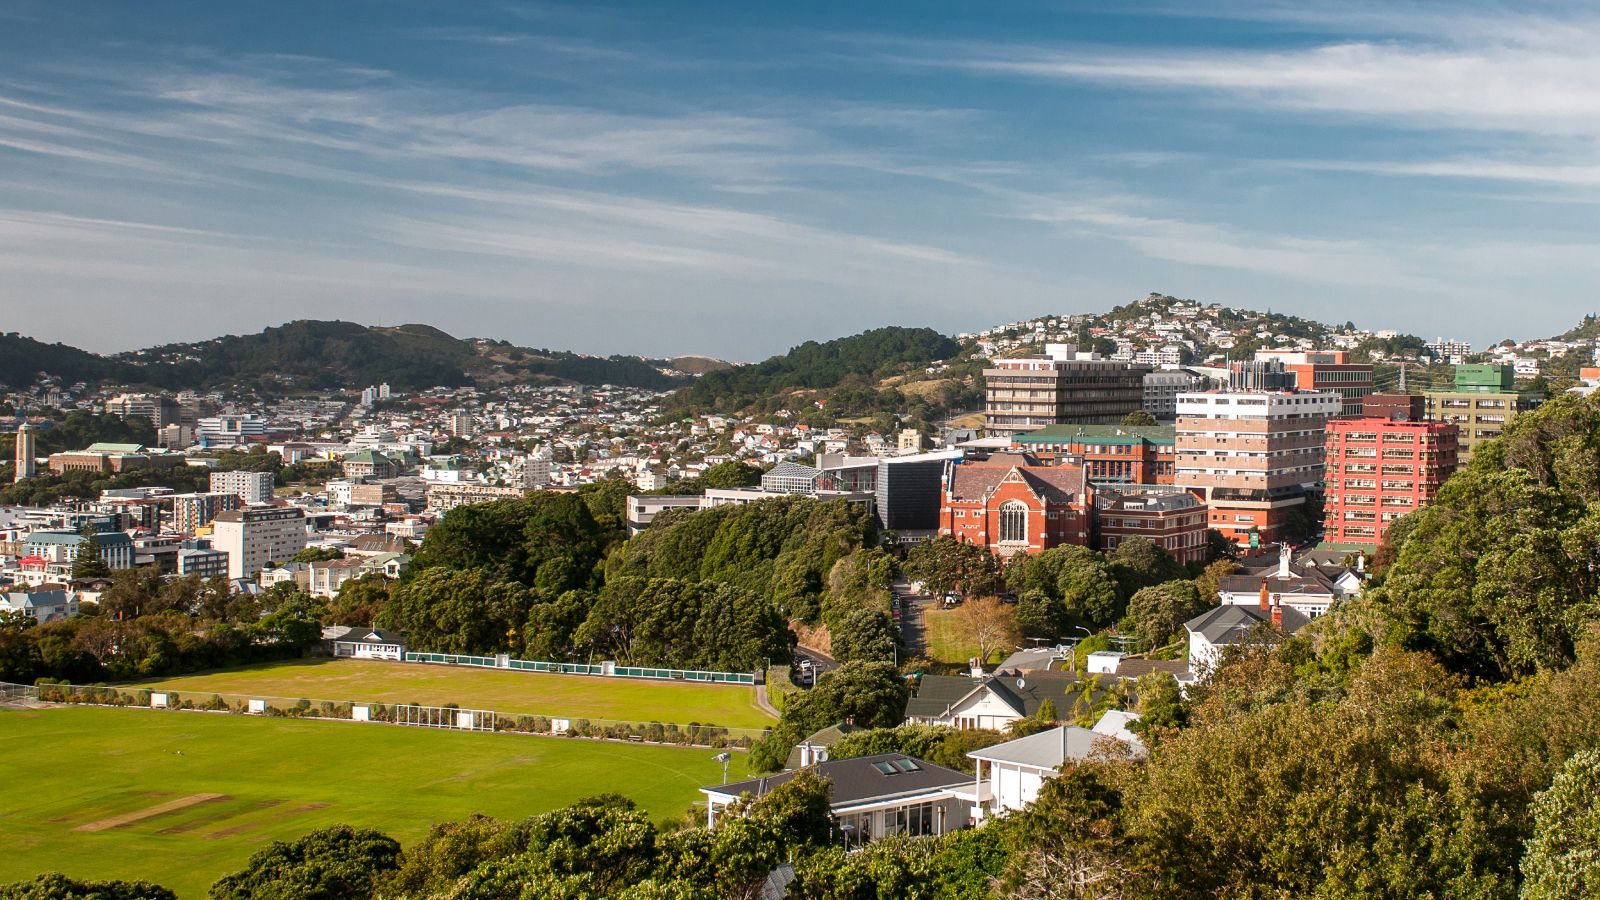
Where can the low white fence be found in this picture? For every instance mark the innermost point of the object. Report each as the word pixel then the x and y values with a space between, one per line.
pixel 445 716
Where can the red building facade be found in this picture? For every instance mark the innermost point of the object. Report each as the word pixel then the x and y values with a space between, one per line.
pixel 1380 469
pixel 1121 453
pixel 1010 504
pixel 1174 521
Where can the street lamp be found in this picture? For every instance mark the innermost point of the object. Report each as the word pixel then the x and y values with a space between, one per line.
pixel 723 758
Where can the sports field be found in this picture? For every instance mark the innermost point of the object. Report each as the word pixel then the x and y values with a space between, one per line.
pixel 183 797
pixel 505 692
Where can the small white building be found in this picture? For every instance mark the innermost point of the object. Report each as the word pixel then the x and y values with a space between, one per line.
pixel 873 796
pixel 364 643
pixel 1017 770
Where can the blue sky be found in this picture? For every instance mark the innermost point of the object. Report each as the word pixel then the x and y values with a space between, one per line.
pixel 733 178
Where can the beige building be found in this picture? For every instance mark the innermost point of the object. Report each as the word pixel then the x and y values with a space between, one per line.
pixel 1061 387
pixel 443 497
pixel 1253 455
pixel 256 536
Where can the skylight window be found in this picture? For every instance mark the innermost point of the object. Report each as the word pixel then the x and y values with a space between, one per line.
pixel 907 765
pixel 885 768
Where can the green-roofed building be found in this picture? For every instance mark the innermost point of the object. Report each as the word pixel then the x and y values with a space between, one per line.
pixel 369 464
pixel 1130 454
pixel 1483 402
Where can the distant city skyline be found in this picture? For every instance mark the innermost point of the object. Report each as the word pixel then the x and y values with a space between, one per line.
pixel 733 179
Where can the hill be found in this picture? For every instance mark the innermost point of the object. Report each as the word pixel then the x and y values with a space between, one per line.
pixel 322 355
pixel 1587 329
pixel 820 372
pixel 23 358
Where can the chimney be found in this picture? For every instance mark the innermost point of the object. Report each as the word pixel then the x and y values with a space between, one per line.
pixel 1361 561
pixel 1264 596
pixel 1283 560
pixel 1277 612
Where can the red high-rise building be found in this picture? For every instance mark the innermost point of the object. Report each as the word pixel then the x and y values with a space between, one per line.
pixel 1380 469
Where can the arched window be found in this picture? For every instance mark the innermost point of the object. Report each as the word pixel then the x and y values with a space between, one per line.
pixel 1014 522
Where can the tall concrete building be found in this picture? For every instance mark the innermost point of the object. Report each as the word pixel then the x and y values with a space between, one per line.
pixel 26 467
pixel 1327 370
pixel 192 511
pixel 1379 469
pixel 252 487
pixel 1254 456
pixel 1061 387
pixel 160 410
pixel 1161 390
pixel 259 535
pixel 1484 401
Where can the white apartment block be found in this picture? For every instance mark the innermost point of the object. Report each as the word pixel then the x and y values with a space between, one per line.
pixel 251 487
pixel 1253 454
pixel 259 535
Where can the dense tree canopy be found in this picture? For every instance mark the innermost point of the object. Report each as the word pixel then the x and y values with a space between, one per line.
pixel 781 549
pixel 871 695
pixel 546 540
pixel 339 863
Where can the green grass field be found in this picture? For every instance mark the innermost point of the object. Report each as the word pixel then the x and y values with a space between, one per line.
pixel 180 798
pixel 943 635
pixel 505 692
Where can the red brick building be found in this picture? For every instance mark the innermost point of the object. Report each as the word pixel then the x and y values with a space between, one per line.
pixel 1011 504
pixel 1174 521
pixel 1380 469
pixel 1128 454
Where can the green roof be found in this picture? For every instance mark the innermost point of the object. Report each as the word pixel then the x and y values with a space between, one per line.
pixel 366 456
pixel 1100 434
pixel 114 448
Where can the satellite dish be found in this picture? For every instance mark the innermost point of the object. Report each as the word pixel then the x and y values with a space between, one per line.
pixel 1022 683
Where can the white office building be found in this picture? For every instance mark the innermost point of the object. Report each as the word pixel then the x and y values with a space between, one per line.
pixel 259 535
pixel 251 487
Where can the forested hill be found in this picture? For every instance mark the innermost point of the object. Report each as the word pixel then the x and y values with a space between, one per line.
pixel 21 358
pixel 860 362
pixel 318 355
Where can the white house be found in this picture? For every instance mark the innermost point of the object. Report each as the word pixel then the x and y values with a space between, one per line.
pixel 43 606
pixel 1229 625
pixel 1302 588
pixel 364 643
pixel 992 701
pixel 1017 770
pixel 873 796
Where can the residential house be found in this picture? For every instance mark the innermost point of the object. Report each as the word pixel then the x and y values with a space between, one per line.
pixel 993 701
pixel 1017 770
pixel 872 797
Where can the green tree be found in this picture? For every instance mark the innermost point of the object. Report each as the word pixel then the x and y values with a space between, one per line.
pixel 459 611
pixel 56 886
pixel 328 864
pixel 89 562
pixel 1139 418
pixel 1040 615
pixel 360 601
pixel 1563 856
pixel 864 635
pixel 946 564
pixel 1138 563
pixel 731 474
pixel 870 694
pixel 318 554
pixel 296 621
pixel 1156 614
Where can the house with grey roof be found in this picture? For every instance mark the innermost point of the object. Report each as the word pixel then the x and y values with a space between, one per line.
pixel 993 701
pixel 48 605
pixel 1013 773
pixel 872 797
pixel 814 748
pixel 1229 625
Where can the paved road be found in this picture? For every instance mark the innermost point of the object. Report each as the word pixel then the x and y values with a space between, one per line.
pixel 913 631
